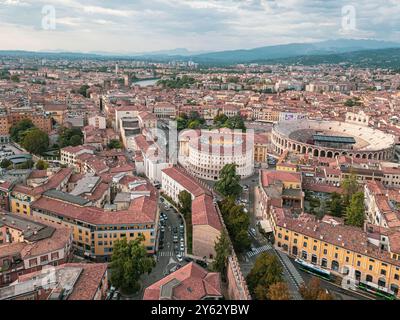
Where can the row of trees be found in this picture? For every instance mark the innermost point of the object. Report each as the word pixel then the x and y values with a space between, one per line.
pixel 195 121
pixel 237 222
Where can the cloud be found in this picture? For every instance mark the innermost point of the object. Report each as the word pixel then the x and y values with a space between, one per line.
pixel 149 25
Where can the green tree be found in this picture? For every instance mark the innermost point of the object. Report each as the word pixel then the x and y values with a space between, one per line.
pixel 14 78
pixel 350 187
pixel 36 141
pixel 229 182
pixel 114 144
pixel 5 163
pixel 83 90
pixel 313 291
pixel 42 165
pixel 266 271
pixel 235 122
pixel 69 137
pixel 220 120
pixel 278 291
pixel 185 202
pixel 128 262
pixel 16 131
pixel 223 251
pixel 355 212
pixel 75 140
pixel 182 122
pixel 335 204
pixel 237 222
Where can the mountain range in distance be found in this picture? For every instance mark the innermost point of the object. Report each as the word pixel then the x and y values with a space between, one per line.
pixel 334 51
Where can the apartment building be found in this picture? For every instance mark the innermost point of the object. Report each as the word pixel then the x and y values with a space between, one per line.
pixel 27 245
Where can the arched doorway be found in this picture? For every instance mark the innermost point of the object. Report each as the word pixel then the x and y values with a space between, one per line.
pixel 324 263
pixel 357 275
pixel 335 265
pixel 294 251
pixel 394 288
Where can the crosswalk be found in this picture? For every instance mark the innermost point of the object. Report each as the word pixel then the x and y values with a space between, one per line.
pixel 166 254
pixel 259 250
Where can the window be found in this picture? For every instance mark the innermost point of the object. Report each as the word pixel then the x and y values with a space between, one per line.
pixel 54 256
pixel 305 244
pixel 369 278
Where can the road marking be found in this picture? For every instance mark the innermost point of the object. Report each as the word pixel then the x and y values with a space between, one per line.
pixel 258 250
pixel 166 253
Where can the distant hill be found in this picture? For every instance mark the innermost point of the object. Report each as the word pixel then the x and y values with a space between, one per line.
pixel 381 58
pixel 293 50
pixel 362 53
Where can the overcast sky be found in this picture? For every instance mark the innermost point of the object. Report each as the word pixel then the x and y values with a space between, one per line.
pixel 150 25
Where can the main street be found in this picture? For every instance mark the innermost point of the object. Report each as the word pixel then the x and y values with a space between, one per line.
pixel 166 257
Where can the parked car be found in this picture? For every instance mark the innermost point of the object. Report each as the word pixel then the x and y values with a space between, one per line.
pixel 179 257
pixel 201 263
pixel 188 259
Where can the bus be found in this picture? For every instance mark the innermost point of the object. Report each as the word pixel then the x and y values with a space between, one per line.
pixel 377 290
pixel 314 270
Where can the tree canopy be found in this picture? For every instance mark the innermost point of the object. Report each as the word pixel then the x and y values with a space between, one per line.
pixel 237 222
pixel 229 182
pixel 355 212
pixel 128 262
pixel 223 251
pixel 278 291
pixel 35 141
pixel 18 130
pixel 185 202
pixel 42 165
pixel 266 271
pixel 313 291
pixel 69 137
pixel 335 205
pixel 114 144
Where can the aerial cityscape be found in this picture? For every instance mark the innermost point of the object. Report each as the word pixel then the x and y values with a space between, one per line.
pixel 199 150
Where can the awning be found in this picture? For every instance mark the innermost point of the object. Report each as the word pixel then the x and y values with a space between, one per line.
pixel 266 225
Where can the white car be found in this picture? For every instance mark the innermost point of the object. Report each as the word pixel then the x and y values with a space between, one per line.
pixel 179 258
pixel 182 247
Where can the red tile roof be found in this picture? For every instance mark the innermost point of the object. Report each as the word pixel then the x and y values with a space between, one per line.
pixel 204 212
pixel 190 282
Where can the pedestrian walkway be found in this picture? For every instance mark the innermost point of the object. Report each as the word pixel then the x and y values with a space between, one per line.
pixel 259 250
pixel 166 253
pixel 291 274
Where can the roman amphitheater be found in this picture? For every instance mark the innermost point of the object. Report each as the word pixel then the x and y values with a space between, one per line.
pixel 208 152
pixel 330 139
